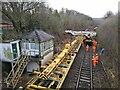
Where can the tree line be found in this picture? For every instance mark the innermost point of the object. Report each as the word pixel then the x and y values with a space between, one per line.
pixel 27 16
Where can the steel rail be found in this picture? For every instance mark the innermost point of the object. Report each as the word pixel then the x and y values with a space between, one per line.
pixel 83 71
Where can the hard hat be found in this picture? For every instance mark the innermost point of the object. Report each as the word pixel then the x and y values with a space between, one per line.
pixel 20 88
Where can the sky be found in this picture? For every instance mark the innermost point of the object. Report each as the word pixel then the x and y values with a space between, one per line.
pixel 92 8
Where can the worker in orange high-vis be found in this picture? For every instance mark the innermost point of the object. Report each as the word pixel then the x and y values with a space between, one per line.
pixel 95 62
pixel 94 43
pixel 87 48
pixel 97 58
pixel 94 49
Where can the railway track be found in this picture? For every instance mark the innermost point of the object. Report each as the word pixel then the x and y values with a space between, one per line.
pixel 85 74
pixel 80 70
pixel 73 73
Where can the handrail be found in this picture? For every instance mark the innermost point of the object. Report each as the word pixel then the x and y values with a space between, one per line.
pixel 17 63
pixel 14 84
pixel 11 70
pixel 20 65
pixel 9 79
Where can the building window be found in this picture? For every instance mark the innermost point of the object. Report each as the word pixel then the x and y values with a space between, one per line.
pixel 32 46
pixel 37 46
pixel 22 45
pixel 46 45
pixel 42 46
pixel 27 46
pixel 51 43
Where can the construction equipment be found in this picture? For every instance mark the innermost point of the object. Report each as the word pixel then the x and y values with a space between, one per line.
pixel 89 35
pixel 54 75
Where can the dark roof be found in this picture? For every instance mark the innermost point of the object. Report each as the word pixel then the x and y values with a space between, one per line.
pixel 37 35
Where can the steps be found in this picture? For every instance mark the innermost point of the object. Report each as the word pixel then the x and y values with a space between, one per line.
pixel 15 74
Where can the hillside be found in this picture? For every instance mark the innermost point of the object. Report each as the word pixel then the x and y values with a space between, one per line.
pixel 108 39
pixel 98 21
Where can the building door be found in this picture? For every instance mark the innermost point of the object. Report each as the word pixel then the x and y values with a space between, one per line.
pixel 15 48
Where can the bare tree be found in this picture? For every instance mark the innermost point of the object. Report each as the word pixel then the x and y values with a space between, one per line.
pixel 108 14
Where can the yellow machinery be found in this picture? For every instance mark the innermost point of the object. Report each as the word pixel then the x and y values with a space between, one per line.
pixel 53 76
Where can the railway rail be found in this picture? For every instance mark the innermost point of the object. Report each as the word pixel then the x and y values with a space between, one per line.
pixel 85 76
pixel 71 78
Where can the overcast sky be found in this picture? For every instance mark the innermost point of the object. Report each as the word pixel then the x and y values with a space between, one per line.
pixel 93 8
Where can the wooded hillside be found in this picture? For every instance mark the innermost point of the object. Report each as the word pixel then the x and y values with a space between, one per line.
pixel 108 39
pixel 26 17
